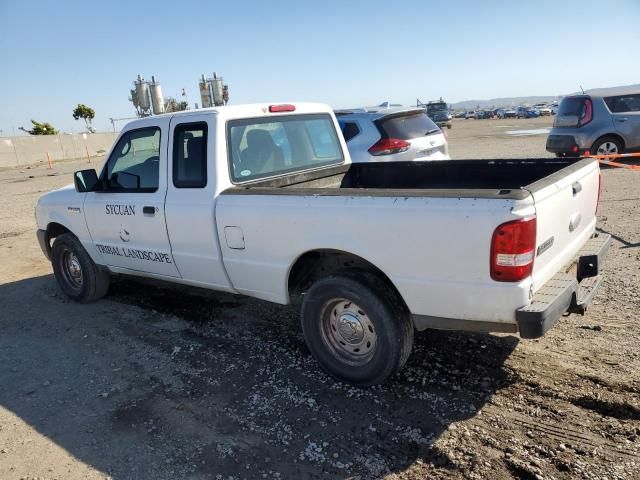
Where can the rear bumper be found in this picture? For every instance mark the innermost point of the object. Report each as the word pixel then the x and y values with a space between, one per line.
pixel 565 292
pixel 562 144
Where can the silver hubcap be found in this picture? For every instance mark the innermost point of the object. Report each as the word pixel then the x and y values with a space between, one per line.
pixel 72 269
pixel 348 331
pixel 607 148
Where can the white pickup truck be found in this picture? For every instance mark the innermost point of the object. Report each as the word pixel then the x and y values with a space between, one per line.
pixel 262 200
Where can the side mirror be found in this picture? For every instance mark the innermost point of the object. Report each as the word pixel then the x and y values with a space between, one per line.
pixel 86 180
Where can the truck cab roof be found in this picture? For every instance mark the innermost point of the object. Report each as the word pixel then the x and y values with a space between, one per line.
pixel 239 111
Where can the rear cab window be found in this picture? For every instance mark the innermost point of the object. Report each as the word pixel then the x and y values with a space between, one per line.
pixel 406 126
pixel 270 146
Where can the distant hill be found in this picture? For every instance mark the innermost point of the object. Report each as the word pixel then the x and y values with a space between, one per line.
pixel 531 100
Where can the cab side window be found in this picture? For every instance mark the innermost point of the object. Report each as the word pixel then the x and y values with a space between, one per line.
pixel 190 155
pixel 134 165
pixel 623 103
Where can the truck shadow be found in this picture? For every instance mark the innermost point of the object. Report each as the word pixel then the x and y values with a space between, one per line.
pixel 164 382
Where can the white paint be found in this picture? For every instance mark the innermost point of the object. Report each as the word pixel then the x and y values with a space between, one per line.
pixel 434 250
pixel 525 133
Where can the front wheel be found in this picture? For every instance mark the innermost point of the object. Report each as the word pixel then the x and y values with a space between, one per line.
pixel 78 276
pixel 357 328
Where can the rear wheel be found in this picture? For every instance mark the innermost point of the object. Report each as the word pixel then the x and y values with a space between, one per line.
pixel 357 328
pixel 606 146
pixel 78 276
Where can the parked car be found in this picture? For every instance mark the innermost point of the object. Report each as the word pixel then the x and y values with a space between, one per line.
pixel 554 108
pixel 392 135
pixel 459 114
pixel 506 113
pixel 600 125
pixel 526 112
pixel 468 115
pixel 262 200
pixel 542 109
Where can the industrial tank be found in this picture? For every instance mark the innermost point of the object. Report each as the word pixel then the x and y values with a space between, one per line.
pixel 142 94
pixel 205 92
pixel 156 97
pixel 217 90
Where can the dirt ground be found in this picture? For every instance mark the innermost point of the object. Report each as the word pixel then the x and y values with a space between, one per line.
pixel 157 382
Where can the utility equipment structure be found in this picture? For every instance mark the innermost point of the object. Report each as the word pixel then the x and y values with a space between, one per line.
pixel 147 97
pixel 213 91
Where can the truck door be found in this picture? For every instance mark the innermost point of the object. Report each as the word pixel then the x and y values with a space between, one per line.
pixel 126 219
pixel 190 203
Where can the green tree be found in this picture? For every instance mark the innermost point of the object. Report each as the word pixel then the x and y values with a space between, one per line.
pixel 42 129
pixel 84 112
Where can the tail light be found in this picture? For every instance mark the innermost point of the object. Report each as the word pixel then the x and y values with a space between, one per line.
pixel 513 248
pixel 388 146
pixel 587 114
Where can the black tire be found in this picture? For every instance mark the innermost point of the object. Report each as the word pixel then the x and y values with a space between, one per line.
pixel 69 257
pixel 384 316
pixel 606 140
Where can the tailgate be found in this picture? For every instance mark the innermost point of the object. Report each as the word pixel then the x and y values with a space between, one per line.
pixel 565 205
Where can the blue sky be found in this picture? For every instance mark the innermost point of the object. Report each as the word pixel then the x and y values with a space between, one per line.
pixel 57 54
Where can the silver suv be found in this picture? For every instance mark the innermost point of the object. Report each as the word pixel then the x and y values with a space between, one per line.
pixel 596 124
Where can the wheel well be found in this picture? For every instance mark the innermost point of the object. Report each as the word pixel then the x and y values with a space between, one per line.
pixel 55 229
pixel 317 264
pixel 611 135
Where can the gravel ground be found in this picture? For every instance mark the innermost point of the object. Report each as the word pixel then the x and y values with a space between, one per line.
pixel 158 382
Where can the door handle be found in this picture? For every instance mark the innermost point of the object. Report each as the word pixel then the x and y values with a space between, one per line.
pixel 621 119
pixel 149 210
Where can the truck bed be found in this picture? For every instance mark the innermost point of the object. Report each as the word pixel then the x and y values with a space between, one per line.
pixel 505 179
pixel 427 226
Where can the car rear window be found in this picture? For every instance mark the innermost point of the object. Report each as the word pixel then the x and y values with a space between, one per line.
pixel 407 126
pixel 269 146
pixel 572 106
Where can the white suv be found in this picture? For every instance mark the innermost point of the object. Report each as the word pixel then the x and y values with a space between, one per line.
pixel 397 134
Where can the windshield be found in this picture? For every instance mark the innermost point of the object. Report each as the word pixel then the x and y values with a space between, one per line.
pixel 436 107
